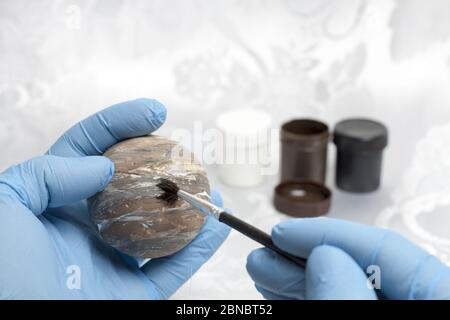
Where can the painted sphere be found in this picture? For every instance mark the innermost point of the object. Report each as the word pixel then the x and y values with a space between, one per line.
pixel 128 215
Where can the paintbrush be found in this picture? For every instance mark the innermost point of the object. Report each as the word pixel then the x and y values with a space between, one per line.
pixel 171 193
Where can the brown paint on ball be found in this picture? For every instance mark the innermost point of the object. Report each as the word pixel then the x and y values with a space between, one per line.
pixel 128 215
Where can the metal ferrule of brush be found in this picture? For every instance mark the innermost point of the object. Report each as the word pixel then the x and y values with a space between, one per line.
pixel 203 205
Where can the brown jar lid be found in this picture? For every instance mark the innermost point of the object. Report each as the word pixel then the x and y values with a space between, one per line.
pixel 302 198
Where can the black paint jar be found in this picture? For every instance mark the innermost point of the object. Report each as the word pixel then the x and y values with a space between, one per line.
pixel 360 144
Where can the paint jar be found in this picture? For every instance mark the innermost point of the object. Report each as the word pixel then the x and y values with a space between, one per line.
pixel 304 145
pixel 245 155
pixel 360 144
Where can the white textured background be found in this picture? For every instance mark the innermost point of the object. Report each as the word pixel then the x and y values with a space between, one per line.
pixel 387 59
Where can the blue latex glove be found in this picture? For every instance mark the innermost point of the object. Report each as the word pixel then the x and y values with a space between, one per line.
pixel 339 253
pixel 49 248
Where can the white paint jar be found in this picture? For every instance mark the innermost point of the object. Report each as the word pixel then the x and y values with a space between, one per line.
pixel 245 154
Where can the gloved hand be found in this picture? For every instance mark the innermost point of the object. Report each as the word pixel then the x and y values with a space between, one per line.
pixel 341 256
pixel 49 248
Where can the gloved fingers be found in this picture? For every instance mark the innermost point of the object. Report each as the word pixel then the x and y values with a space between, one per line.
pixel 274 273
pixel 269 295
pixel 333 274
pixel 301 236
pixel 95 134
pixel 167 274
pixel 50 181
pixel 406 270
pixel 170 273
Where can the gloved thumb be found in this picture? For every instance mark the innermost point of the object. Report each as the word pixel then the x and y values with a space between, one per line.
pixel 333 274
pixel 50 181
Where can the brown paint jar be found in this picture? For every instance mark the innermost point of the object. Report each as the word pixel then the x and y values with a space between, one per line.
pixel 304 150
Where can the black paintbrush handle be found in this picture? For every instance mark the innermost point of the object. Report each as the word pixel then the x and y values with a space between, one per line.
pixel 258 235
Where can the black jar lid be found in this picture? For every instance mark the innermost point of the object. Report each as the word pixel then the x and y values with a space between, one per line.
pixel 302 198
pixel 360 135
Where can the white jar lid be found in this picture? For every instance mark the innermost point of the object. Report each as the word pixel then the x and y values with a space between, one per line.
pixel 245 122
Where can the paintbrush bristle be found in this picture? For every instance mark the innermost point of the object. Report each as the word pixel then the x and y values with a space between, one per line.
pixel 170 191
